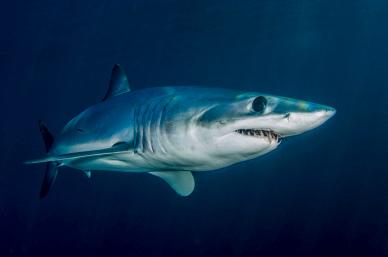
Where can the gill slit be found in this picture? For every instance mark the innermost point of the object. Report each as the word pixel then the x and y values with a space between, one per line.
pixel 162 119
pixel 148 139
pixel 144 127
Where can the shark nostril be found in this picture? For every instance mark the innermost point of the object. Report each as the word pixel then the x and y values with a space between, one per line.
pixel 331 111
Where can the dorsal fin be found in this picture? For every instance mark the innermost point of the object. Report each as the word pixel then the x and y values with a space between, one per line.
pixel 118 83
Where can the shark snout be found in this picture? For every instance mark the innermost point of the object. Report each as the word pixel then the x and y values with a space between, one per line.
pixel 296 123
pixel 330 112
pixel 322 114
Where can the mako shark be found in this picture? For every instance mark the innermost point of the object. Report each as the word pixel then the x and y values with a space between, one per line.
pixel 171 132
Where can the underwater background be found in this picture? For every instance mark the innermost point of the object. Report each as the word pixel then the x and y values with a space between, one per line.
pixel 323 193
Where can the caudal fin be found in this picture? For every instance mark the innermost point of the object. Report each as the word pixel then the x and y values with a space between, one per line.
pixel 48 138
pixel 49 178
pixel 51 167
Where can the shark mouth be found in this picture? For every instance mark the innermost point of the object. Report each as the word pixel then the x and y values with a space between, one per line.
pixel 269 134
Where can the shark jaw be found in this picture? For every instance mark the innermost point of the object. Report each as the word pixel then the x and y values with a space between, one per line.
pixel 259 133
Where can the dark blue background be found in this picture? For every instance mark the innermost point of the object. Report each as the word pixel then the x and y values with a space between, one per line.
pixel 320 194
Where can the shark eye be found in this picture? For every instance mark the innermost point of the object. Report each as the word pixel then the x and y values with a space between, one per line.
pixel 258 105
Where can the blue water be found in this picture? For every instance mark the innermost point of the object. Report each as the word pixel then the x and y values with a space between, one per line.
pixel 323 193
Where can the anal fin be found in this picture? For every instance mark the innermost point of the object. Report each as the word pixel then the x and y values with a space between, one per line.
pixel 181 181
pixel 88 173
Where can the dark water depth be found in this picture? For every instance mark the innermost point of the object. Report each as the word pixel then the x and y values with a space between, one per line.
pixel 323 193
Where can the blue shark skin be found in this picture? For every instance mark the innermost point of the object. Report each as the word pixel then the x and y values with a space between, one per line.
pixel 171 132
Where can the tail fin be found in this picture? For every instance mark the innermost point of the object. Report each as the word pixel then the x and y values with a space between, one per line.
pixel 49 178
pixel 47 136
pixel 51 167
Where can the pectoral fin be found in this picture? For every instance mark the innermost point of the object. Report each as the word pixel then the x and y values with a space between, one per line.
pixel 181 181
pixel 115 149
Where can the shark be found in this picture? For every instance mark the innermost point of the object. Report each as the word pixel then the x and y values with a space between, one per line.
pixel 173 132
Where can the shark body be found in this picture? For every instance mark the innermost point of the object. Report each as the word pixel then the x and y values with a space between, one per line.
pixel 171 132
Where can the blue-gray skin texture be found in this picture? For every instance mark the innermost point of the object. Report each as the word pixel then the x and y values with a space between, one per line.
pixel 173 128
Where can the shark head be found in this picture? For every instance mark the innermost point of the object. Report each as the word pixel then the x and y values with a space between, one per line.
pixel 253 124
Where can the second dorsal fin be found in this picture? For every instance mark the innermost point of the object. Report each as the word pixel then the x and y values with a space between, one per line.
pixel 118 83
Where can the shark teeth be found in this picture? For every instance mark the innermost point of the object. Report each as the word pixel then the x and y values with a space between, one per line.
pixel 269 134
